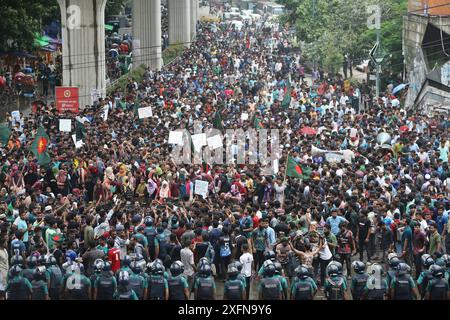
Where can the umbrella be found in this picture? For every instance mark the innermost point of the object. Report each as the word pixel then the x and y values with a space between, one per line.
pixel 398 88
pixel 308 131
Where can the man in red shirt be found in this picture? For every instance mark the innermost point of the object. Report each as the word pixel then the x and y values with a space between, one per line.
pixel 113 256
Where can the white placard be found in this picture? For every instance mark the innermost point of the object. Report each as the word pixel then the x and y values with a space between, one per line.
pixel 145 112
pixel 353 132
pixel 199 140
pixel 105 112
pixel 176 137
pixel 65 125
pixel 215 142
pixel 78 144
pixel 16 115
pixel 201 188
pixel 276 166
pixel 244 116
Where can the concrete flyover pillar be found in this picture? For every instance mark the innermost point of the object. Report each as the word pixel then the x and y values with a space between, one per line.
pixel 147 33
pixel 194 17
pixel 83 47
pixel 179 22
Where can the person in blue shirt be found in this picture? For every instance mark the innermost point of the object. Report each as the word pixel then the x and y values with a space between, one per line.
pixel 406 241
pixel 334 221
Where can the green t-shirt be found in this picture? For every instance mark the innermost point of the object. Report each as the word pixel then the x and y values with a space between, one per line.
pixel 435 239
pixel 142 239
pixel 260 237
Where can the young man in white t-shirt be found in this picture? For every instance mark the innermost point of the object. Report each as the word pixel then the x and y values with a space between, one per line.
pixel 246 260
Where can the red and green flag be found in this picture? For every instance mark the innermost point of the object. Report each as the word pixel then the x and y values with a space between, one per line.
pixel 287 96
pixel 40 145
pixel 296 170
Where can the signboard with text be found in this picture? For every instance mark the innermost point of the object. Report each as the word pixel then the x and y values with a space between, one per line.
pixel 67 99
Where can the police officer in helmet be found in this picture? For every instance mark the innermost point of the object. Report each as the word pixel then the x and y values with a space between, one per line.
pixel 438 288
pixel 105 285
pixel 402 286
pixel 335 287
pixel 55 276
pixel 204 285
pixel 376 287
pixel 124 291
pixel 279 273
pixel 234 288
pixel 28 272
pixel 178 285
pixel 426 275
pixel 39 284
pixel 392 270
pixel 158 288
pixel 270 287
pixel 18 287
pixel 137 282
pixel 77 285
pixel 359 280
pixel 303 287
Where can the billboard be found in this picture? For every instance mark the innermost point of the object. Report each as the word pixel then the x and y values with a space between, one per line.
pixel 429 7
pixel 67 99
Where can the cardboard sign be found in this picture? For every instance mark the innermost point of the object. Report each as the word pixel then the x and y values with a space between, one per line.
pixel 244 116
pixel 215 142
pixel 176 137
pixel 78 144
pixel 65 125
pixel 201 188
pixel 199 140
pixel 67 99
pixel 145 112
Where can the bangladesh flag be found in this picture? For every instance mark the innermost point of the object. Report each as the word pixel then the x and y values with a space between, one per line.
pixel 39 147
pixel 287 96
pixel 80 130
pixel 295 170
pixel 4 134
pixel 257 123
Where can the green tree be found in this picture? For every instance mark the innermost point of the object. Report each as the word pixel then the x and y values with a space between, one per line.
pixel 21 19
pixel 331 28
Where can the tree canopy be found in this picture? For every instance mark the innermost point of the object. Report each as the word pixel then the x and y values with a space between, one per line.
pixel 331 28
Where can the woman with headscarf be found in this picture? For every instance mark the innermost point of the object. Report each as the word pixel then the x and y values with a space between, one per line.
pixel 164 191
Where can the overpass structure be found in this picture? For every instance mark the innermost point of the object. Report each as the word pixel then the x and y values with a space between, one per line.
pixel 83 39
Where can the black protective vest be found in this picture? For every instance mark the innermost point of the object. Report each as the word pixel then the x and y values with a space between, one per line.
pixel 125 295
pixel 17 290
pixel 205 290
pixel 136 285
pixel 156 286
pixel 37 290
pixel 176 289
pixel 105 288
pixel 335 291
pixel 303 291
pixel 78 292
pixel 28 274
pixel 439 289
pixel 56 277
pixel 360 281
pixel 377 294
pixel 234 291
pixel 402 288
pixel 270 289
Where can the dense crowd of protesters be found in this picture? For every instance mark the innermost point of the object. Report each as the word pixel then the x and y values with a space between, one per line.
pixel 118 214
